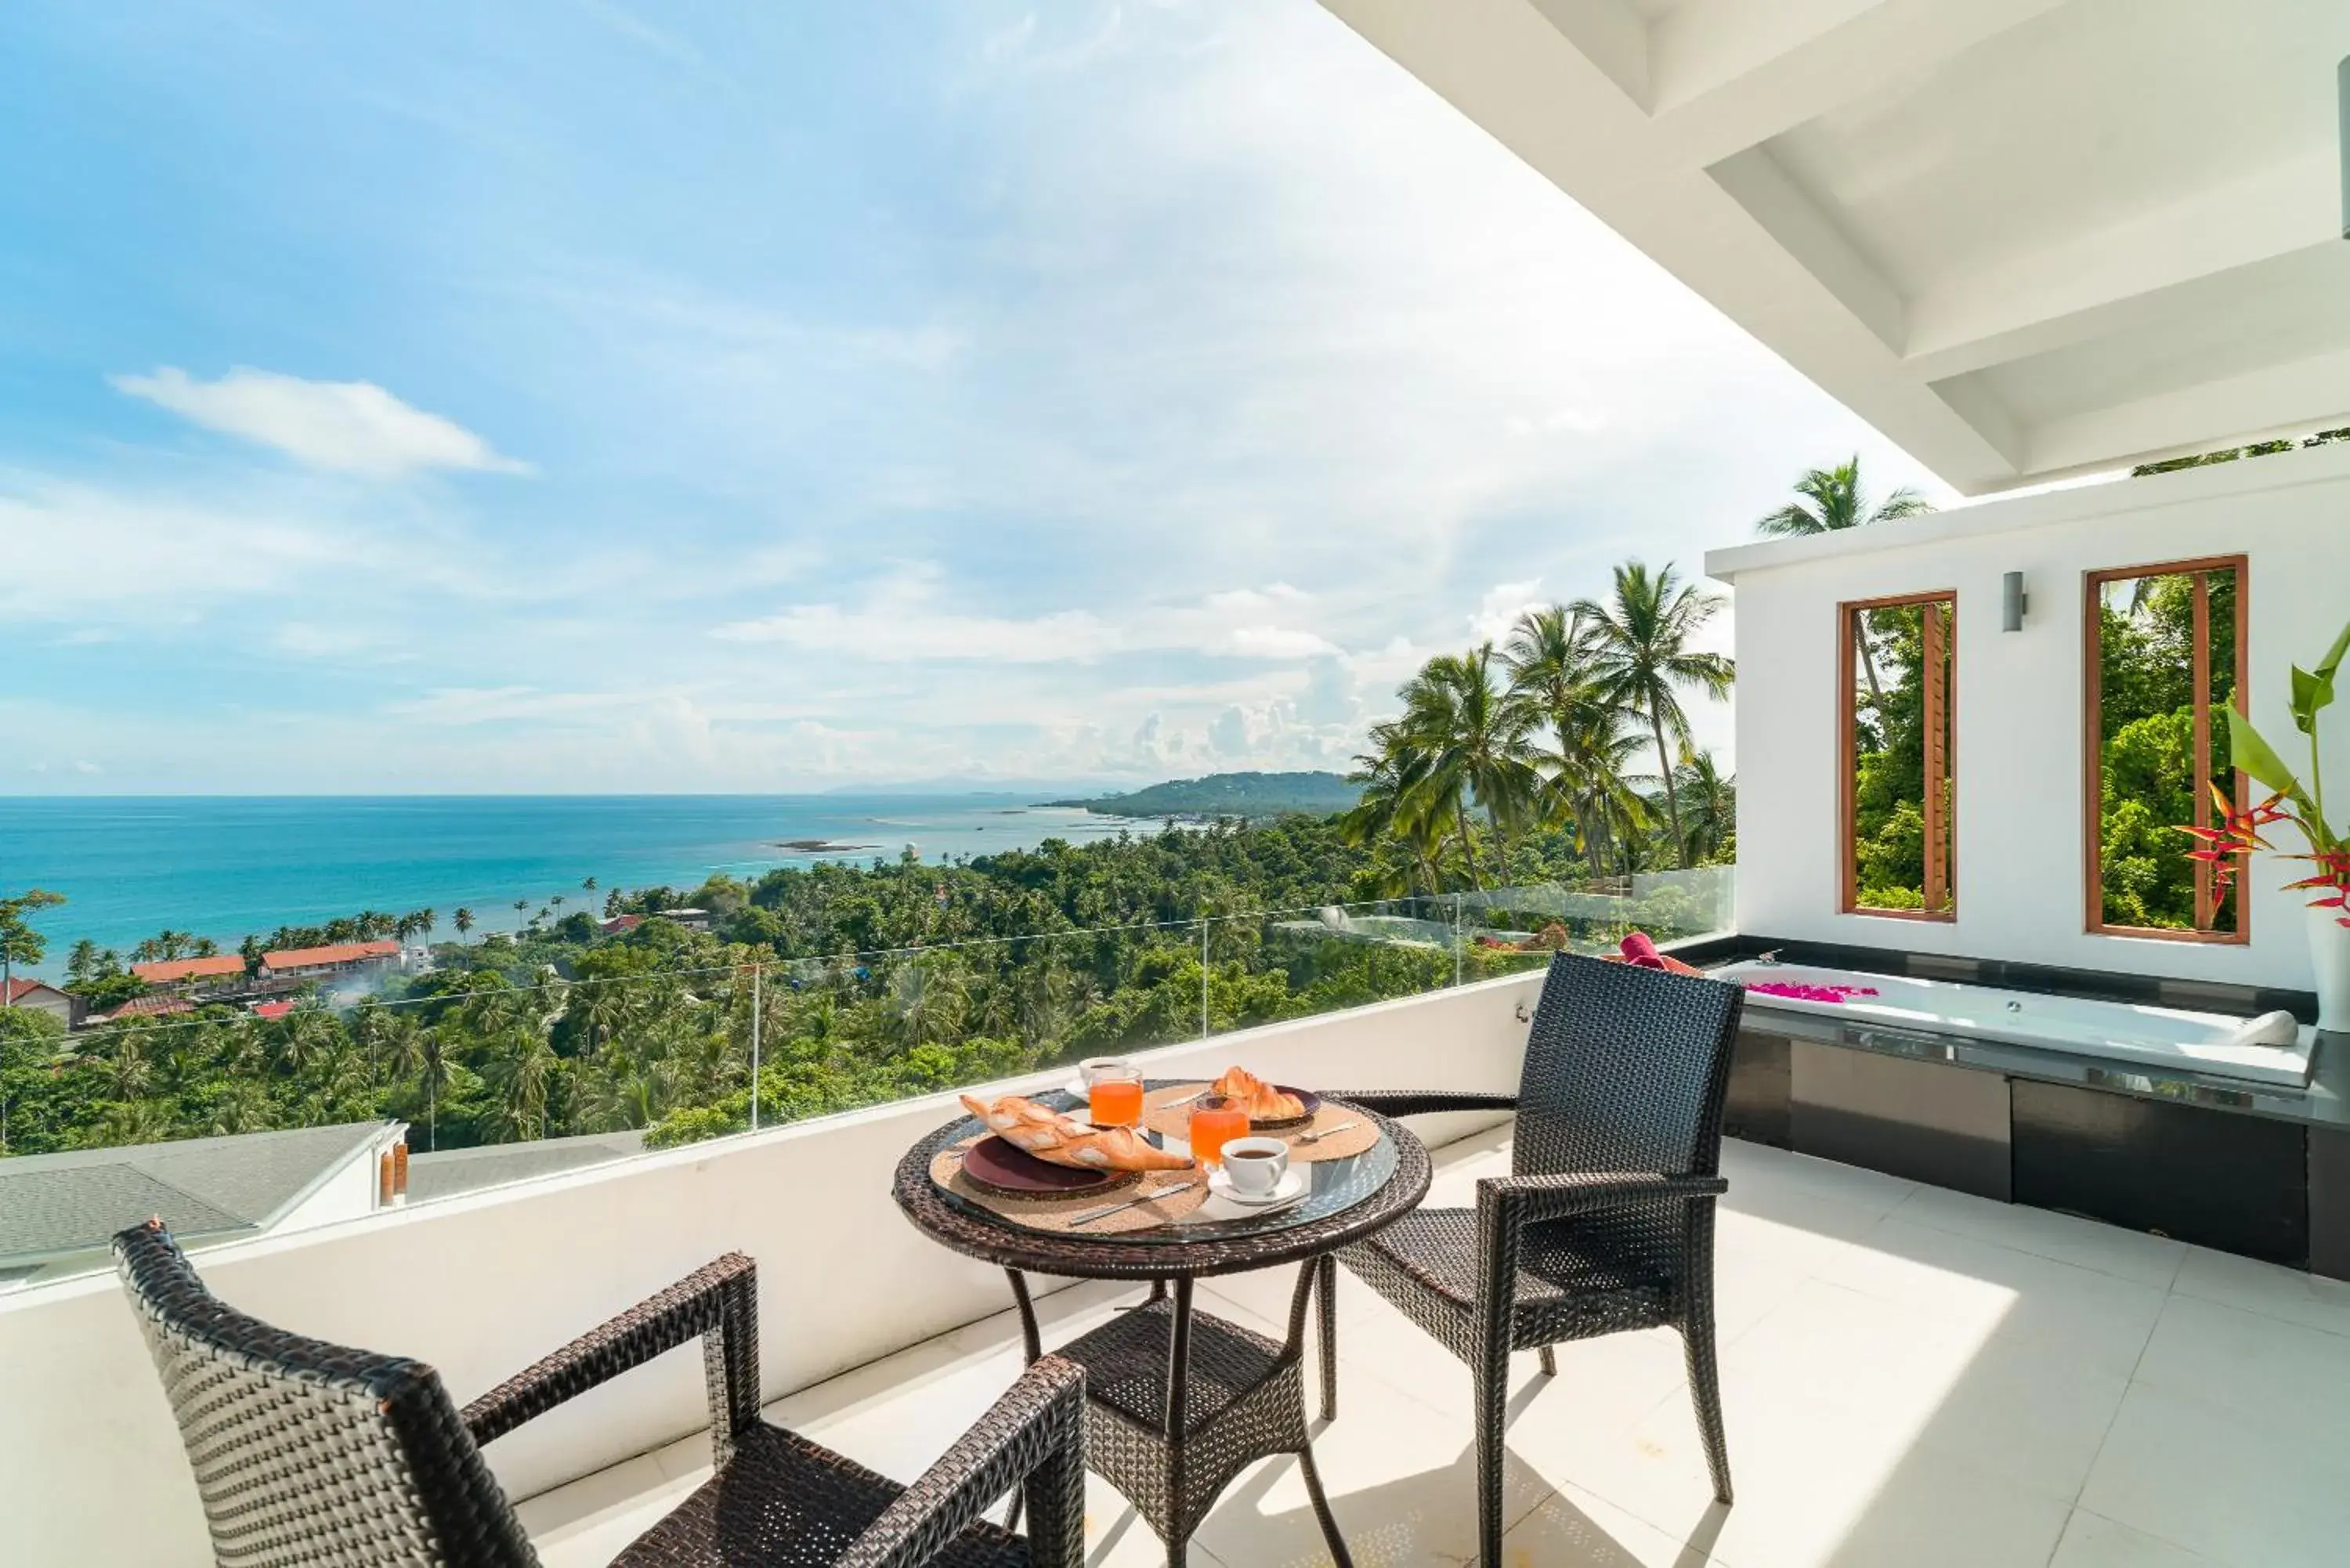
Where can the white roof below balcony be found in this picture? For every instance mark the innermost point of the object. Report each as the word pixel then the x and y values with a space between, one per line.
pixel 2023 238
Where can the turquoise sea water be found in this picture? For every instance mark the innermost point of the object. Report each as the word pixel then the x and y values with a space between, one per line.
pixel 222 867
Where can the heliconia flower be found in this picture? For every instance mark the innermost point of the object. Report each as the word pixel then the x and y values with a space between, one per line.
pixel 2333 876
pixel 2234 836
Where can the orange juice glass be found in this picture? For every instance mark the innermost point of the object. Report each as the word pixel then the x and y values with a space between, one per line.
pixel 1215 1121
pixel 1115 1099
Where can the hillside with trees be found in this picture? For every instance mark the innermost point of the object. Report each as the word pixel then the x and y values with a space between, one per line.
pixel 1249 796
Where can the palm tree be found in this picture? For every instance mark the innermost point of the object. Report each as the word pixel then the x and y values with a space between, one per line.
pixel 414 1055
pixel 309 1031
pixel 1639 644
pixel 1833 500
pixel 521 909
pixel 522 1072
pixel 464 921
pixel 1463 742
pixel 1592 782
pixel 128 1066
pixel 558 901
pixel 603 1014
pixel 1712 797
pixel 1554 682
pixel 1379 812
pixel 587 885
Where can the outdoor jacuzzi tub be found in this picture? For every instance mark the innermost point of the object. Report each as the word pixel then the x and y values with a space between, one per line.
pixel 2273 1049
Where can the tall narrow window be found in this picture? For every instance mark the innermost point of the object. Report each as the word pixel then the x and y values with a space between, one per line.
pixel 2165 655
pixel 1898 820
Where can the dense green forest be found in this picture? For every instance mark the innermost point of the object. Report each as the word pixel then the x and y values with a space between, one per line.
pixel 2147 737
pixel 873 983
pixel 1888 804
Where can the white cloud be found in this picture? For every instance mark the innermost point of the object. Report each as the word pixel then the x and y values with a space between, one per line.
pixel 1499 610
pixel 1278 642
pixel 75 551
pixel 1068 635
pixel 494 704
pixel 905 618
pixel 348 426
pixel 1255 598
pixel 902 621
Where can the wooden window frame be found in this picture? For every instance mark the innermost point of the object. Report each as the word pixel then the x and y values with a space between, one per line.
pixel 2093 745
pixel 1848 760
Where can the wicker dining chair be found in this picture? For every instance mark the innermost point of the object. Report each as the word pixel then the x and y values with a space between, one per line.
pixel 307 1453
pixel 1606 1222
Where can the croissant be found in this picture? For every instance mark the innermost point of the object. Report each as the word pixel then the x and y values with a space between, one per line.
pixel 1065 1140
pixel 1262 1102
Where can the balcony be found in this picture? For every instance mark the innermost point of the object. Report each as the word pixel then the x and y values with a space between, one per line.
pixel 1912 1375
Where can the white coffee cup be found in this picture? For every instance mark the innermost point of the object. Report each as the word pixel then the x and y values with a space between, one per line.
pixel 1093 1067
pixel 1256 1165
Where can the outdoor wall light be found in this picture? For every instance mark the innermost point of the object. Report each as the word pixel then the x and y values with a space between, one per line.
pixel 2012 602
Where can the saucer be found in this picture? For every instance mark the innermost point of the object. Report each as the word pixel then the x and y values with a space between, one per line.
pixel 1286 1191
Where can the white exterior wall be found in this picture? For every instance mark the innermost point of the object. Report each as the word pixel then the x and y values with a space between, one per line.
pixel 55 1003
pixel 480 1286
pixel 2019 701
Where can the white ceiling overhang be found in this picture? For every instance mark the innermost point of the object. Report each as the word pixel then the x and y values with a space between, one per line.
pixel 2023 238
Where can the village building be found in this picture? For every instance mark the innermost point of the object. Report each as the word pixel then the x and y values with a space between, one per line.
pixel 42 997
pixel 208 973
pixel 336 961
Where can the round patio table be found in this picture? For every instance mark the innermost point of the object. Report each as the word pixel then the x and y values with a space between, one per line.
pixel 1179 1401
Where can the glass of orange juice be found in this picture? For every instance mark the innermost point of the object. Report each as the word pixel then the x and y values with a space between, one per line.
pixel 1114 1097
pixel 1215 1121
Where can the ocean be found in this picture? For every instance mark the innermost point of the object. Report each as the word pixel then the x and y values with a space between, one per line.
pixel 222 866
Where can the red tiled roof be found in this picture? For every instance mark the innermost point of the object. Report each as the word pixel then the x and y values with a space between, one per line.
pixel 20 989
pixel 220 966
pixel 152 1007
pixel 271 1011
pixel 623 923
pixel 341 952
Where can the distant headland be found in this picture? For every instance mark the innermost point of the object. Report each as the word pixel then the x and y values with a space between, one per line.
pixel 1246 795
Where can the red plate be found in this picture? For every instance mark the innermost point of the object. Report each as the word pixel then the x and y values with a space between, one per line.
pixel 1004 1166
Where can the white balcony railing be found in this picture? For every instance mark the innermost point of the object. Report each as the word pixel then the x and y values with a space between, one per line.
pixel 481 1285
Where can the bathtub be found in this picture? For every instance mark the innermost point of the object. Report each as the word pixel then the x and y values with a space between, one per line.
pixel 2169 1037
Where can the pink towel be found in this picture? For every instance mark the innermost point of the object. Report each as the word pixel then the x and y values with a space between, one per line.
pixel 1801 993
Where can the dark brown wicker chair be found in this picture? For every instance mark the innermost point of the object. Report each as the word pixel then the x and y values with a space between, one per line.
pixel 1606 1222
pixel 307 1453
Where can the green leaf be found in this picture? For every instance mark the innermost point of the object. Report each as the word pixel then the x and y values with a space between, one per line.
pixel 2333 655
pixel 2310 693
pixel 2256 757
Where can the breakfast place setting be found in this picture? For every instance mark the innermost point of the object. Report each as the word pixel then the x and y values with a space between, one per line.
pixel 1115 1176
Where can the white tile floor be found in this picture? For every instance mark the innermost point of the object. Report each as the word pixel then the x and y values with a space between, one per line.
pixel 1913 1379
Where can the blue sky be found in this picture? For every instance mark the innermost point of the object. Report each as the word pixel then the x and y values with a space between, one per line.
pixel 569 395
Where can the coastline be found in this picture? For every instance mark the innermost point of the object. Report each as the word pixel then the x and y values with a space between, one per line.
pixel 222 867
